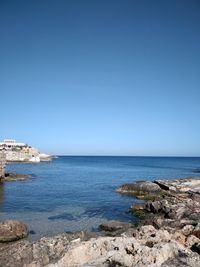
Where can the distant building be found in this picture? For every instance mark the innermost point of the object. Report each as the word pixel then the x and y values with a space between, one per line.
pixel 9 144
pixel 21 152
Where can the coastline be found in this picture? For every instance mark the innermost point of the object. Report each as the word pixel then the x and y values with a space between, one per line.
pixel 169 227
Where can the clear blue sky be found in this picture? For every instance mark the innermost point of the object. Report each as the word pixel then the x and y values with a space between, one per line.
pixel 101 77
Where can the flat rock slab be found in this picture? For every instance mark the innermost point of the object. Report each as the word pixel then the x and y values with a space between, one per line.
pixel 189 185
pixel 11 230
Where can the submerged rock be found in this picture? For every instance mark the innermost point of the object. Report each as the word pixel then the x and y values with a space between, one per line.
pixel 115 226
pixel 12 230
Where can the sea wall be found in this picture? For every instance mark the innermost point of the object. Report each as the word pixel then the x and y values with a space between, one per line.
pixel 2 164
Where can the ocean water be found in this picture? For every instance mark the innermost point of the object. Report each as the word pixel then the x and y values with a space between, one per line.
pixel 74 193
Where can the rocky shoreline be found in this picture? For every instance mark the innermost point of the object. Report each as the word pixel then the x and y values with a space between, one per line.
pixel 168 234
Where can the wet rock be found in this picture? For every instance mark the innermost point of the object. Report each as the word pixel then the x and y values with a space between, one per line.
pixel 115 226
pixel 138 206
pixel 32 232
pixel 12 230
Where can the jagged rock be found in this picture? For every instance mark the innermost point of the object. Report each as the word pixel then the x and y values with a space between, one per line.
pixel 148 233
pixel 121 251
pixel 154 206
pixel 179 237
pixel 191 240
pixel 12 230
pixel 187 229
pixel 148 247
pixel 191 185
pixel 39 253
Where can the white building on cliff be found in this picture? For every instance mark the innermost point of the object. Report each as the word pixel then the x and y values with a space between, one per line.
pixel 21 152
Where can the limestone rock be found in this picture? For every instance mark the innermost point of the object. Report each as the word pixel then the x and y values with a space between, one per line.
pixel 187 229
pixel 12 230
pixel 191 185
pixel 191 240
pixel 119 251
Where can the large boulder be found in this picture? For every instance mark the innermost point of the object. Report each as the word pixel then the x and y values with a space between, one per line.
pixel 12 230
pixel 139 188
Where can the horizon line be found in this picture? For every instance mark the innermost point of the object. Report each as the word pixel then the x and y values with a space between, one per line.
pixel 177 156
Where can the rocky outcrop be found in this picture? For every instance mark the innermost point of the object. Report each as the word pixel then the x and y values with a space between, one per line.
pixel 139 188
pixel 175 207
pixel 176 202
pixel 168 235
pixel 12 230
pixel 148 247
pixel 40 253
pixel 190 185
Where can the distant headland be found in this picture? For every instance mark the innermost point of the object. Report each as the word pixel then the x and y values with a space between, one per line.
pixel 21 152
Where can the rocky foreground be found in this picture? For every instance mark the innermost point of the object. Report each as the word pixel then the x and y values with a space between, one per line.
pixel 168 234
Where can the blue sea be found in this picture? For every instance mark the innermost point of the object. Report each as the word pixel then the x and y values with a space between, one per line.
pixel 73 193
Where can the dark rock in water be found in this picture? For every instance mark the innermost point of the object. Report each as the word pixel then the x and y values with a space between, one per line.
pixel 63 216
pixel 12 230
pixel 197 170
pixel 32 232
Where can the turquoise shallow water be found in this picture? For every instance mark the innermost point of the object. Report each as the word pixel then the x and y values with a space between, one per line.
pixel 77 193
